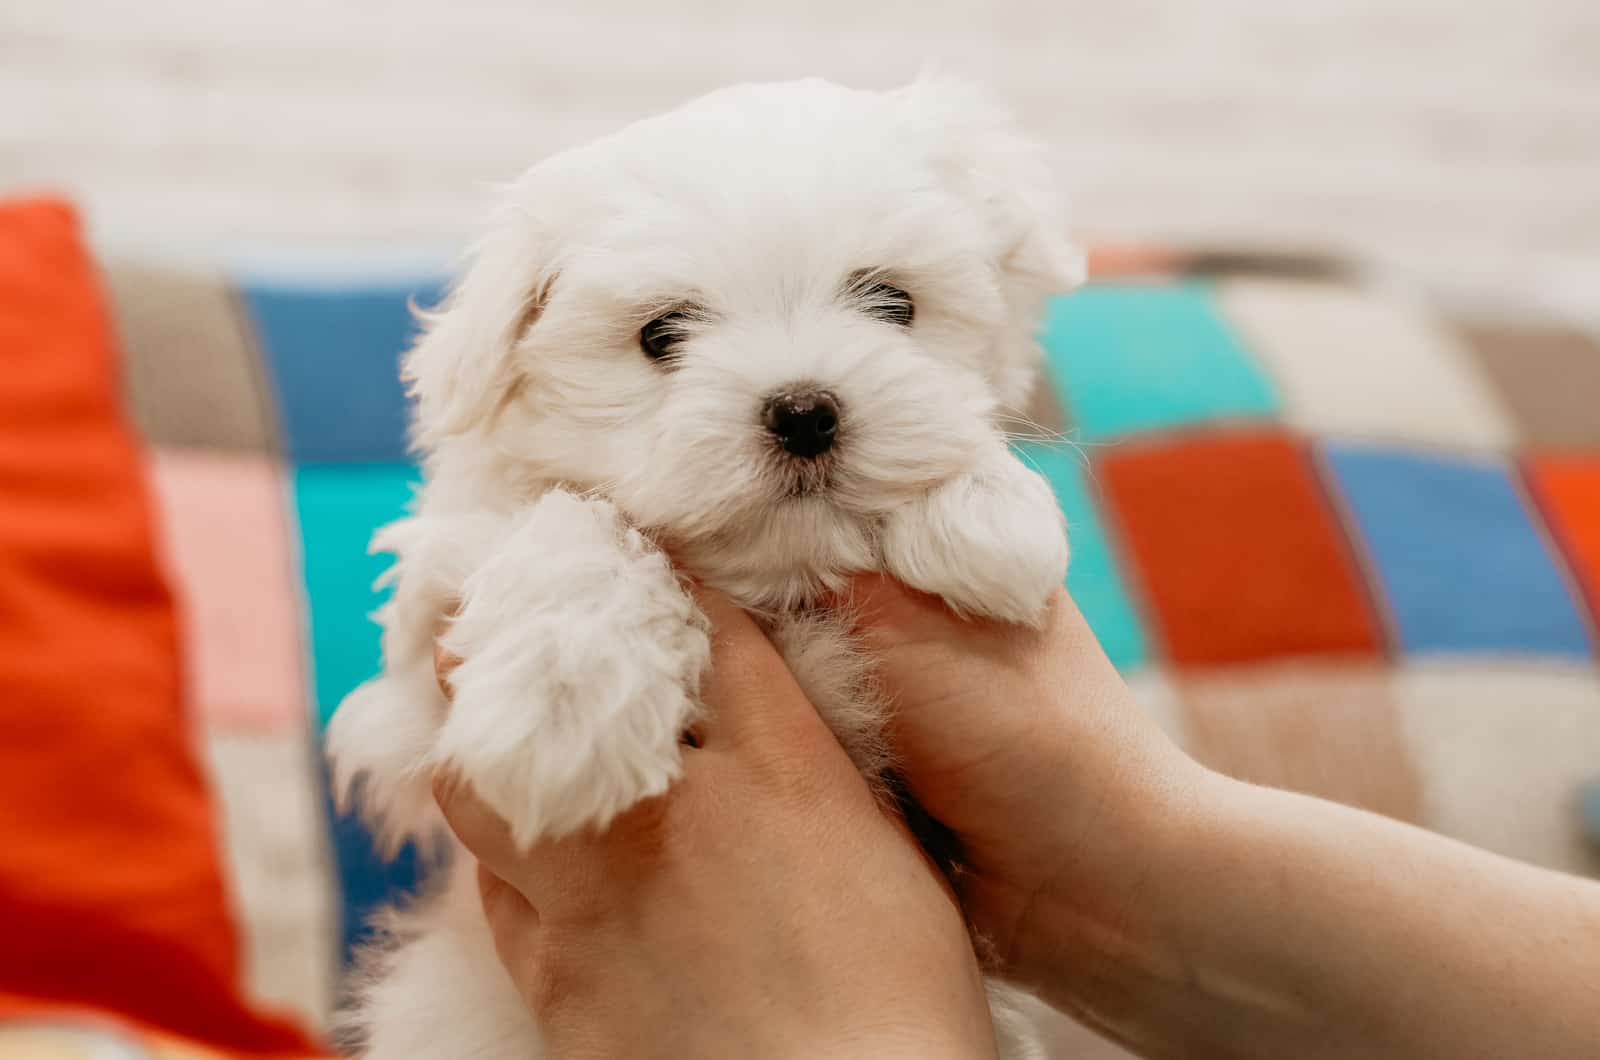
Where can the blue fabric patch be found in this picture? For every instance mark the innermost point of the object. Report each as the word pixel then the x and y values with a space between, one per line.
pixel 334 356
pixel 1461 564
pixel 339 507
pixel 367 883
pixel 1136 358
pixel 1093 578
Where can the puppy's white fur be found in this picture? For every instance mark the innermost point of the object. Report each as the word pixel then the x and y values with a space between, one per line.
pixel 559 457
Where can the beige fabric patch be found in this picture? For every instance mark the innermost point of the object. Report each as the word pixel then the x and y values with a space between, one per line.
pixel 1354 364
pixel 1503 751
pixel 193 376
pixel 1325 729
pixel 1550 379
pixel 279 870
pixel 1153 690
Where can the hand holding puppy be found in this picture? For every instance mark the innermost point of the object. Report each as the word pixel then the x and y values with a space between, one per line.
pixel 1183 913
pixel 766 906
pixel 729 917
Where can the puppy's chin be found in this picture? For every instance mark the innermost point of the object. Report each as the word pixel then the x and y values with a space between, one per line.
pixel 787 553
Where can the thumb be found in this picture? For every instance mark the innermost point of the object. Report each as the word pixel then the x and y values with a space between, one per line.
pixel 887 613
pixel 750 693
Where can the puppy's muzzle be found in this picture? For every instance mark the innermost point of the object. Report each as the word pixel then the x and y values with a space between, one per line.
pixel 804 422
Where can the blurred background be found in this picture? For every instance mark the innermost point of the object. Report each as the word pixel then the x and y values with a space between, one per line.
pixel 1383 589
pixel 1458 143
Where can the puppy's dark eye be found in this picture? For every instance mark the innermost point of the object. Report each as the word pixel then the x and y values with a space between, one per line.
pixel 659 339
pixel 886 302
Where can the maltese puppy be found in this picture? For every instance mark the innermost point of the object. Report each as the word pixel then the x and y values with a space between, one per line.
pixel 773 330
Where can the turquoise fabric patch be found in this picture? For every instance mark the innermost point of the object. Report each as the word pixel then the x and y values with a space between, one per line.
pixel 1137 358
pixel 339 507
pixel 1092 577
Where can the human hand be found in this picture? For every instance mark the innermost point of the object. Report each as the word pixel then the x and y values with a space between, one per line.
pixel 1029 746
pixel 765 906
pixel 1183 913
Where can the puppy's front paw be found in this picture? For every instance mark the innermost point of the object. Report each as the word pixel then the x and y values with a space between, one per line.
pixel 581 657
pixel 991 542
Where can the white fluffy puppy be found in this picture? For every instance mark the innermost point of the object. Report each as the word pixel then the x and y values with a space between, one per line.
pixel 774 330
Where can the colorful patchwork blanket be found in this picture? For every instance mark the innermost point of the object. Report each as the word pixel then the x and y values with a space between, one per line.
pixel 1334 544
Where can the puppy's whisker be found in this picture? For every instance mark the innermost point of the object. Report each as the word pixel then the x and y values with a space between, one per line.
pixel 1027 458
pixel 1034 427
pixel 603 489
pixel 1033 436
pixel 1078 449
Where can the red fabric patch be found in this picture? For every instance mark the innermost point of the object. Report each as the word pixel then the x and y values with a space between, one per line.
pixel 111 891
pixel 1238 550
pixel 1567 488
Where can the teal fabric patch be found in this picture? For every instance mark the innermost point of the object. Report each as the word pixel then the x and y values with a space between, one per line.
pixel 339 507
pixel 1144 357
pixel 1092 577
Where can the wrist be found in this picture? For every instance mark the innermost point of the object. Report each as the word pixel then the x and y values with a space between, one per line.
pixel 1104 924
pixel 922 1043
pixel 1167 946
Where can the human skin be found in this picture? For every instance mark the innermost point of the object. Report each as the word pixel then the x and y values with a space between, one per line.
pixel 704 923
pixel 1184 913
pixel 1177 911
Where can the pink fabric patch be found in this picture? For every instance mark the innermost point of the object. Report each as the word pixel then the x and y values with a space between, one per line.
pixel 227 546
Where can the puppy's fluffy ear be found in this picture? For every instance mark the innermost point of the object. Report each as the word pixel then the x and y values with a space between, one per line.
pixel 984 157
pixel 981 150
pixel 465 365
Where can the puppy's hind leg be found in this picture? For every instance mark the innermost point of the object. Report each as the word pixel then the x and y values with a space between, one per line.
pixel 582 656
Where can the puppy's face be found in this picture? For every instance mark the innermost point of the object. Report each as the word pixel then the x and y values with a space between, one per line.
pixel 757 322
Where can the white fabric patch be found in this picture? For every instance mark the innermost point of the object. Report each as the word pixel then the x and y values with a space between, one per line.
pixel 278 870
pixel 1503 751
pixel 1353 364
pixel 1157 695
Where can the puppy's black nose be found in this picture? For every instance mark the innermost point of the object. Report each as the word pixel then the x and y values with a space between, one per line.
pixel 803 422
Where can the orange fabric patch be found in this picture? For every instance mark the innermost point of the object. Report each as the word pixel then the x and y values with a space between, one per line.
pixel 1238 550
pixel 110 888
pixel 1568 490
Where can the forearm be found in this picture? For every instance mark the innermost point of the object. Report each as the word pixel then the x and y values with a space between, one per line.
pixel 1268 924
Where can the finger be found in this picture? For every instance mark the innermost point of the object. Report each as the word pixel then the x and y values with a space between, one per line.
pixel 444 660
pixel 885 610
pixel 482 831
pixel 507 909
pixel 512 919
pixel 554 875
pixel 749 690
pixel 730 623
pixel 898 821
pixel 444 663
